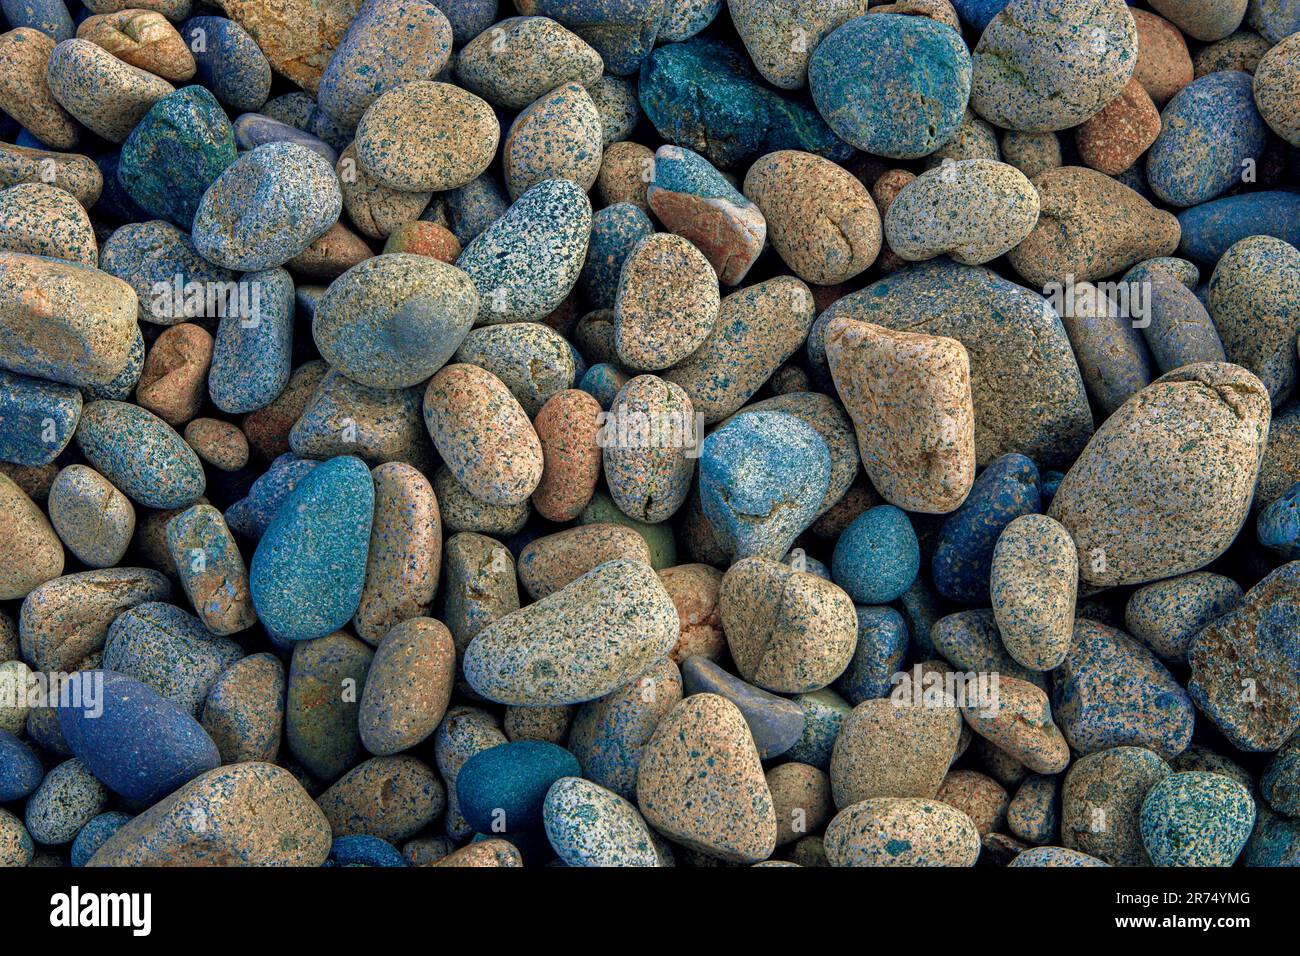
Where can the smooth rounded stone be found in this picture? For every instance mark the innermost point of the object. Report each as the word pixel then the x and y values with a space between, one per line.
pixel 1034 812
pixel 824 715
pixel 1101 799
pixel 475 206
pixel 1210 229
pixel 252 354
pixel 1040 67
pixel 308 571
pixel 326 680
pixel 68 798
pixel 901 831
pixel 21 771
pixel 65 620
pixel 171 280
pixel 1031 153
pixel 244 710
pixel 701 784
pixel 375 209
pixel 547 724
pixel 16 848
pixel 408 686
pixel 461 511
pixel 1019 723
pixel 503 789
pixel 862 78
pixel 228 62
pixel 1275 841
pixel 527 658
pixel 1036 408
pixel 1180 331
pixel 394 320
pixel 695 201
pixel 480 588
pixel 426 851
pixel 1189 445
pixel 603 381
pixel 424 239
pixel 1241 51
pixel 1205 20
pixel 297 37
pixel 24 93
pixel 141 745
pixel 40 418
pixel 780 35
pixel 254 129
pixel 558 136
pixel 70 172
pixel 483 434
pixel 567 427
pixel 63 321
pixel 1114 139
pixel 763 477
pixel 801 795
pixel 881 647
pixel 169 651
pixel 788 631
pixel 211 569
pixel 1254 300
pixel 1277 89
pixel 625 170
pixel 1243 675
pixel 553 561
pixel 1114 358
pixel 142 38
pixel 616 102
pixel 1112 692
pixel 386 45
pixel 363 850
pixel 950 210
pixel 140 454
pixel 1278 526
pixel 173 382
pixel 531 359
pixel 95 834
pixel 894 748
pixel 1054 856
pixel 520 59
pixel 704 95
pixel 377 424
pixel 45 221
pixel 1166 616
pixel 1273 19
pixel 877 556
pixel 1281 468
pixel 250 516
pixel 1281 780
pixel 1164 65
pixel 979 797
pixel 1211 136
pixel 425 136
pixel 649 440
pixel 94 519
pixel 666 305
pixel 267 207
pixel 1196 819
pixel 221 444
pixel 1033 585
pixel 526 262
pixel 821 220
pixel 695 590
pixel 1090 226
pixel 909 395
pixel 775 723
pixel 103 93
pixel 268 429
pixel 248 814
pixel 588 825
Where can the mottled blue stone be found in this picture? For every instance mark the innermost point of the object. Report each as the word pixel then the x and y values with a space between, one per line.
pixel 614 231
pixel 51 17
pixel 253 351
pixel 37 418
pixel 140 454
pixel 877 557
pixel 622 31
pixel 251 515
pixel 229 62
pixel 95 834
pixel 254 129
pixel 502 789
pixel 1278 526
pixel 977 13
pixel 363 850
pixel 879 655
pixel 20 769
pixel 1212 228
pixel 1196 818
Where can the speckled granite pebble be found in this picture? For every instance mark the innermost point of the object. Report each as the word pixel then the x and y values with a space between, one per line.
pixel 588 825
pixel 894 748
pixel 1196 819
pixel 140 454
pixel 1166 615
pixel 901 831
pixel 244 710
pixel 558 136
pixel 68 798
pixel 24 93
pixel 104 93
pixel 228 61
pixel 1033 585
pixel 94 519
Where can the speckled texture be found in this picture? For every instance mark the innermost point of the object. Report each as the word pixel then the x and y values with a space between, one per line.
pixel 376 424
pixel 142 38
pixel 1112 141
pixel 69 171
pixel 174 379
pixel 566 427
pixel 558 136
pixel 528 658
pixel 894 748
pixel 649 445
pixel 1277 90
pixel 588 825
pixel 1164 65
pixel 901 831
pixel 254 343
pixel 532 360
pixel 1018 721
pixel 1033 585
pixel 1101 799
pixel 552 561
pixel 1196 819
pixel 775 723
pixel 221 444
pixel 21 771
pixel 1166 615
pixel 1205 20
pixel 625 169
pixel 140 454
pixel 326 678
pixel 211 569
pixel 66 800
pixel 24 94
pixel 1188 448
pixel 407 687
pixel 666 305
pixel 44 220
pixel 1278 526
pixel 94 519
pixel 102 92
pixel 520 59
pixel 375 209
pixel 39 418
pixel 228 61
pixel 244 710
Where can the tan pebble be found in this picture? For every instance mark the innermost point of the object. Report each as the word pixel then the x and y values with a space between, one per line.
pixel 142 38
pixel 550 562
pixel 694 590
pixel 1113 140
pixel 174 381
pixel 801 795
pixel 567 426
pixel 33 553
pixel 220 444
pixel 626 170
pixel 331 255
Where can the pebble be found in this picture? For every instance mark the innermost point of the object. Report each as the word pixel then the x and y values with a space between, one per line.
pixel 1202 20
pixel 648 452
pixel 1019 723
pixel 567 426
pixel 1033 585
pixel 520 59
pixel 169 651
pixel 588 825
pixel 901 831
pixel 40 418
pixel 1166 615
pixel 877 557
pixel 102 92
pixel 21 771
pixel 140 454
pixel 1164 64
pixel 391 798
pixel 320 719
pixel 94 519
pixel 95 834
pixel 531 359
pixel 1114 139
pixel 1196 819
pixel 244 710
pixel 68 798
pixel 1101 799
pixel 24 93
pixel 173 381
pixel 504 789
pixel 893 748
pixel 558 136
pixel 219 443
pixel 70 172
pixel 211 569
pixel 142 38
pixel 775 723
pixel 549 563
pixel 228 61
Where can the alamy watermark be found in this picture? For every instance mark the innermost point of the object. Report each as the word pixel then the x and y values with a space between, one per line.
pixel 82 690
pixel 665 430
pixel 178 298
pixel 1126 301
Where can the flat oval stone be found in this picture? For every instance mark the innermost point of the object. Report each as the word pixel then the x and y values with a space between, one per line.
pixel 24 93
pixel 1033 584
pixel 220 444
pixel 71 172
pixel 45 221
pixel 877 556
pixel 326 680
pixel 559 136
pixel 588 825
pixel 375 209
pixel 1212 228
pixel 1203 20
pixel 1166 615
pixel 667 303
pixel 253 351
pixel 503 789
pixel 893 748
pixel 408 686
pixel 308 571
pixel 1197 819
pixel 172 282
pixel 392 798
pixel 775 723
pixel 67 799
pixel 701 783
pixel 527 657
pixel 94 519
pixel 140 454
pixel 21 771
pixel 244 712
pixel 425 136
pixel 863 79
pixel 901 831
pixel 521 59
pixel 1048 66
pixel 881 647
pixel 139 744
pixel 249 814
pixel 1191 442
pixel 104 93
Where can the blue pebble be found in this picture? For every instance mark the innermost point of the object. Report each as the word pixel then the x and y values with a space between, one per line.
pixel 614 231
pixel 1212 228
pixel 309 568
pixel 1196 818
pixel 20 769
pixel 776 724
pixel 141 746
pixel 37 418
pixel 977 14
pixel 763 477
pixel 502 789
pixel 363 850
pixel 1048 482
pixel 1278 525
pixel 963 556
pixel 870 77
pixel 251 515
pixel 254 129
pixel 50 17
pixel 253 352
pixel 1180 331
pixel 823 711
pixel 877 557
pixel 229 61
pixel 622 31
pixel 1210 130
pixel 882 648
pixel 602 382
pixel 475 206
pixel 95 834
pixel 468 18
pixel 140 454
